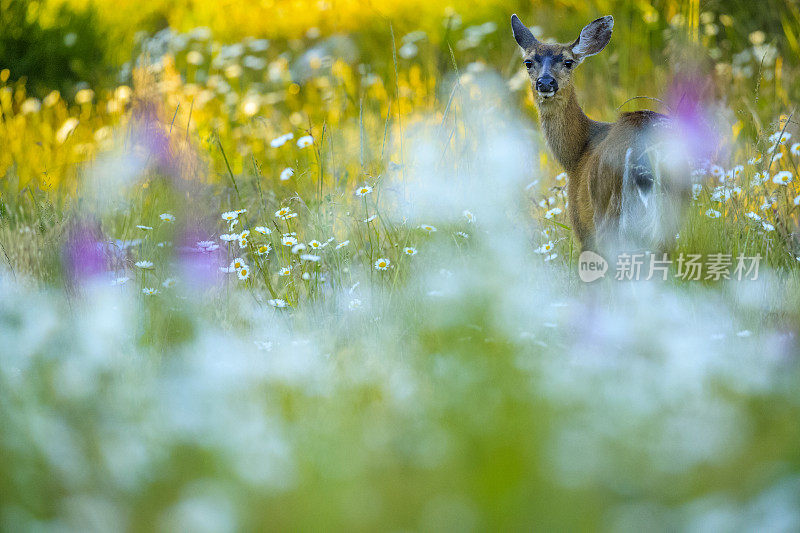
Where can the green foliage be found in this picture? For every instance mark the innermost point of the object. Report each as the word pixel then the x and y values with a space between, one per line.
pixel 51 47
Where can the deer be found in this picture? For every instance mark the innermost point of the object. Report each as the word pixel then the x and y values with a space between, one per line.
pixel 627 183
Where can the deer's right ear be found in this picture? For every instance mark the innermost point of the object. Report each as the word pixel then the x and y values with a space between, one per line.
pixel 522 34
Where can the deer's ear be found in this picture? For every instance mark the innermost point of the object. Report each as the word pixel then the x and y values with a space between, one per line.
pixel 594 37
pixel 522 34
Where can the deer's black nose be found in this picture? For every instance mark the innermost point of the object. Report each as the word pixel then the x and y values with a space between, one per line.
pixel 546 84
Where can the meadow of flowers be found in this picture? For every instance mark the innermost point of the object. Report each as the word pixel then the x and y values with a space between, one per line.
pixel 319 274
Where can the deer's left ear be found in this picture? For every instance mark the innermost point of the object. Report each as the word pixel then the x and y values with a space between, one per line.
pixel 594 37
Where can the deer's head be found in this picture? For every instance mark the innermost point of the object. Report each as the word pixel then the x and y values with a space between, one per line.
pixel 550 66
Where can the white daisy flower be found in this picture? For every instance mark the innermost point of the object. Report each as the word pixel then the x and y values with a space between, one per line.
pixel 315 245
pixel 149 291
pixel 237 263
pixel 767 226
pixel 754 216
pixel 207 245
pixel 345 243
pixel 286 174
pixel 717 171
pixel 737 171
pixel 550 257
pixel 755 160
pixel 562 177
pixel 462 234
pixel 263 230
pixel 468 215
pixel 777 157
pixel 285 271
pixel 410 250
pixel 310 257
pixel 382 264
pixel 167 217
pixel 354 304
pixel 428 228
pixel 553 212
pixel 144 264
pixel 370 219
pixel 277 302
pixel 305 141
pixel 363 190
pixel 297 248
pixel 145 228
pixel 120 281
pixel 228 237
pixel 795 150
pixel 243 272
pixel 780 137
pixel 285 213
pixel 546 248
pixel 712 213
pixel 782 178
pixel 281 140
pixel 230 215
pixel 168 283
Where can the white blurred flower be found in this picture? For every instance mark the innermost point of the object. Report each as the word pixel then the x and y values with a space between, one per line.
pixel 297 248
pixel 767 226
pixel 285 213
pixel 410 250
pixel 168 283
pixel 345 243
pixel 144 228
pixel 120 281
pixel 546 248
pixel 717 171
pixel 354 304
pixel 754 216
pixel 149 291
pixel 712 213
pixel 277 302
pixel 144 264
pixel 468 215
pixel 550 257
pixel 782 178
pixel 553 212
pixel 286 174
pixel 305 141
pixel 428 228
pixel 263 230
pixel 194 58
pixel 795 150
pixel 166 217
pixel 780 137
pixel 755 160
pixel 228 237
pixel 281 140
pixel 310 257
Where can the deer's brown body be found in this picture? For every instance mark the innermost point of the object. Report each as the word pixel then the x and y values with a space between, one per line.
pixel 607 163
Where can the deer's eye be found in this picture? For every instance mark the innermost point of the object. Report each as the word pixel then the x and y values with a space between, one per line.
pixel 528 63
pixel 568 63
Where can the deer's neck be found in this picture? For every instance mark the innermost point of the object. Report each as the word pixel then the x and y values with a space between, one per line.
pixel 566 128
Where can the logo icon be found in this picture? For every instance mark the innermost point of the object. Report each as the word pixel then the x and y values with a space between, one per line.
pixel 591 266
